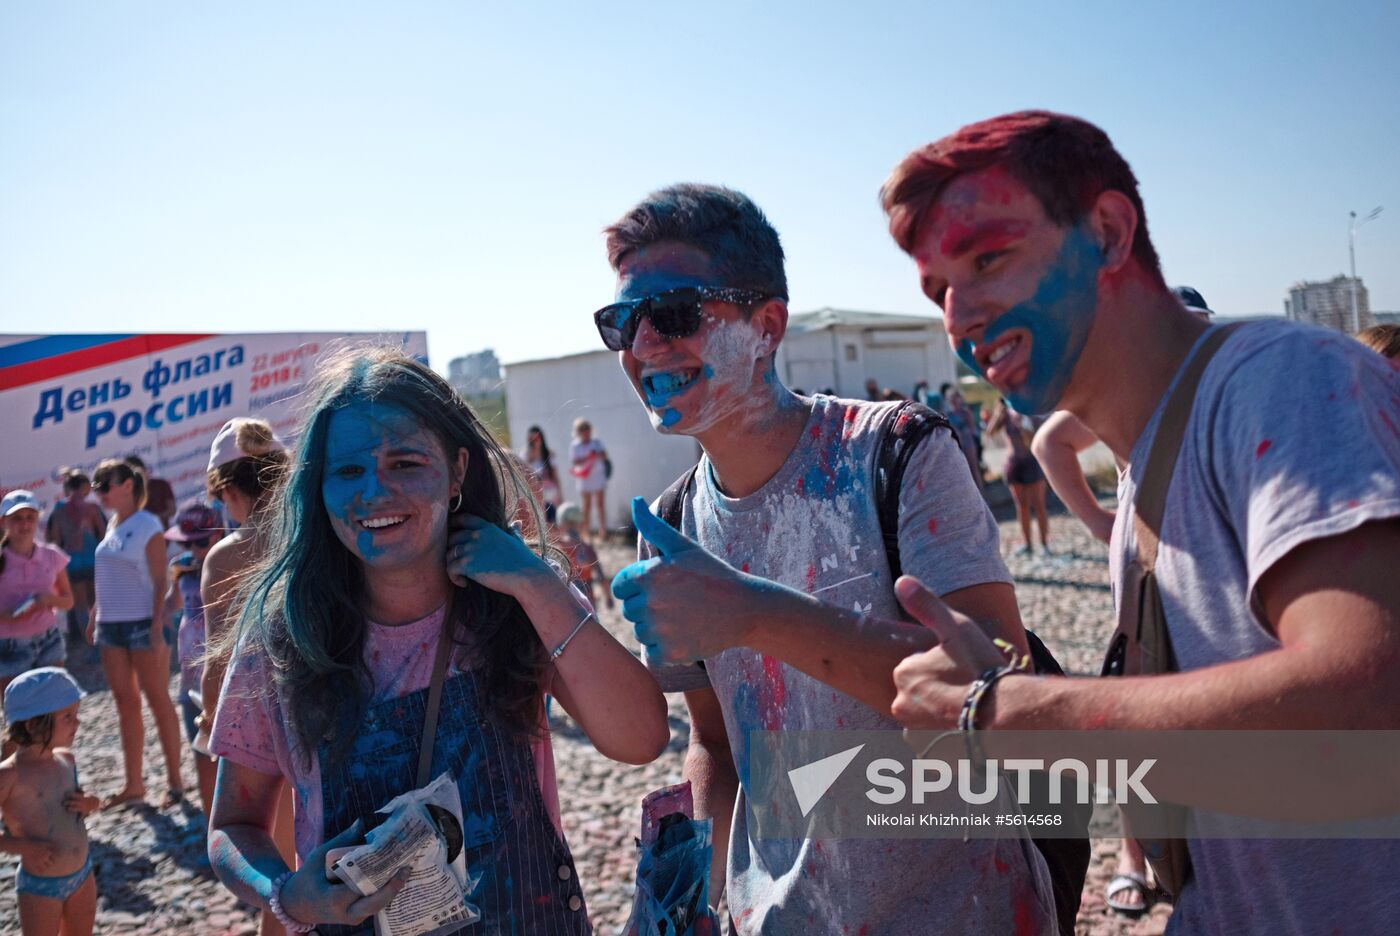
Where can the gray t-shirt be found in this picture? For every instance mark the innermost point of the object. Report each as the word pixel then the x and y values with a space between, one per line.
pixel 814 527
pixel 1293 437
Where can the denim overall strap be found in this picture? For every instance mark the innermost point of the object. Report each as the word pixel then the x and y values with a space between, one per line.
pixel 527 880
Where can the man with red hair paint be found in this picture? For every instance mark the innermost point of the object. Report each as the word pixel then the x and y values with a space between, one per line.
pixel 1280 533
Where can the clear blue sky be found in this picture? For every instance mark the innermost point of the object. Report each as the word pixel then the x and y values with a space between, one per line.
pixel 448 166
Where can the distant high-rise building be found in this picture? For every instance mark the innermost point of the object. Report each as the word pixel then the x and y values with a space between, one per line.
pixel 1330 304
pixel 475 374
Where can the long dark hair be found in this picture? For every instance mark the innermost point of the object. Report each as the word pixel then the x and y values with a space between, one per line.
pixel 545 455
pixel 303 603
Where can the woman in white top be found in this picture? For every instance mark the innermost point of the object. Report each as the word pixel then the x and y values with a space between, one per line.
pixel 129 627
pixel 589 464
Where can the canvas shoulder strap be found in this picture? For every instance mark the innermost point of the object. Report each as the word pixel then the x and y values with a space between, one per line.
pixel 1150 503
pixel 434 703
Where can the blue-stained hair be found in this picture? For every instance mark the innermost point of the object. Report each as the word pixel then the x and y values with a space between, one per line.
pixel 304 602
pixel 726 225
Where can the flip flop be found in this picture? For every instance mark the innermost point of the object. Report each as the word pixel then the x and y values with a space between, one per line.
pixel 1121 883
pixel 118 800
pixel 172 799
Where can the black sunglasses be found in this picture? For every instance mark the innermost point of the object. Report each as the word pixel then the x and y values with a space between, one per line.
pixel 675 313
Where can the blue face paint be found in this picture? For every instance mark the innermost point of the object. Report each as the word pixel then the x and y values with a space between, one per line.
pixel 381 463
pixel 1058 318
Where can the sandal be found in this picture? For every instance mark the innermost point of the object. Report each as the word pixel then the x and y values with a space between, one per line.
pixel 172 799
pixel 1124 882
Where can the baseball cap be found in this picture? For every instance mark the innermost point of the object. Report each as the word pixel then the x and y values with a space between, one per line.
pixel 1193 300
pixel 18 499
pixel 194 522
pixel 40 692
pixel 225 448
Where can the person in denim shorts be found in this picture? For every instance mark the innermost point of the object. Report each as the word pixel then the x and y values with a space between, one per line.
pixel 129 626
pixel 33 589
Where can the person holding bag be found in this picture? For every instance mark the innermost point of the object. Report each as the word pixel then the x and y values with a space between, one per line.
pixel 397 612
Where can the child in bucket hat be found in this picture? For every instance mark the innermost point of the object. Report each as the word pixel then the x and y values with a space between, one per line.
pixel 54 883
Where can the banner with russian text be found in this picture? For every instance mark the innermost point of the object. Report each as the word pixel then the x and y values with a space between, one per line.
pixel 73 400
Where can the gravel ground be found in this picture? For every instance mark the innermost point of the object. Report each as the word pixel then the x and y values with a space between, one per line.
pixel 153 877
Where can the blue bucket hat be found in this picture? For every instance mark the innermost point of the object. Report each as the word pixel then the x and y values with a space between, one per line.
pixel 40 691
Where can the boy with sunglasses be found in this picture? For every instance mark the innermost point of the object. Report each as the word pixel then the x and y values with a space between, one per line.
pixel 773 606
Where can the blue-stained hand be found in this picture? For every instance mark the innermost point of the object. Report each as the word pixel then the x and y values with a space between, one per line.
pixel 684 603
pixel 499 559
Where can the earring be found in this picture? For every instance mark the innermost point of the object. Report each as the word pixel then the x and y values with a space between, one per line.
pixel 453 508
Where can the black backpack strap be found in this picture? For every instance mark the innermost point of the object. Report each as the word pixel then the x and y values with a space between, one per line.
pixel 909 424
pixel 668 507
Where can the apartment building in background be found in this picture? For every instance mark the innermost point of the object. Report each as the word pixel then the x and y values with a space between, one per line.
pixel 1329 304
pixel 475 374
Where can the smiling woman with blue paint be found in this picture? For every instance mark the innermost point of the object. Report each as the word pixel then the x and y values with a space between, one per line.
pixel 395 596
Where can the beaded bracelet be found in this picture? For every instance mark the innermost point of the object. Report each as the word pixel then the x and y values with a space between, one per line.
pixel 275 905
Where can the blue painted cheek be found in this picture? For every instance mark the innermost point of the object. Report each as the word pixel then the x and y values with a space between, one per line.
pixel 340 497
pixel 1058 318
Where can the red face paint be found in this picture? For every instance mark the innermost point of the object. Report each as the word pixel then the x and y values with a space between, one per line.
pixel 959 238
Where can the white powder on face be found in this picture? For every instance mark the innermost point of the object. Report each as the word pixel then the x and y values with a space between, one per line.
pixel 730 351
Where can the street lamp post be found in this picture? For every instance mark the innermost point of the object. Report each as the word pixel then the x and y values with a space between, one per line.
pixel 1351 249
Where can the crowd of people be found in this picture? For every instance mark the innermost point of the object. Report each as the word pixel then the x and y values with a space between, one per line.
pixel 396 597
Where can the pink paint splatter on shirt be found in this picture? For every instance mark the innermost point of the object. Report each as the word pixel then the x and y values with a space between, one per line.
pixel 932 526
pixel 773 670
pixel 1263 447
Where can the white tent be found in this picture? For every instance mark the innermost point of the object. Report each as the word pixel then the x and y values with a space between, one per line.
pixel 840 349
pixel 829 348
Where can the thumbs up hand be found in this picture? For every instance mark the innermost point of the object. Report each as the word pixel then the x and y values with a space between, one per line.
pixel 684 603
pixel 931 686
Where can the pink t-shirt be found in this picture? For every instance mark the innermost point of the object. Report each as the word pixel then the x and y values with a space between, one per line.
pixel 251 727
pixel 25 576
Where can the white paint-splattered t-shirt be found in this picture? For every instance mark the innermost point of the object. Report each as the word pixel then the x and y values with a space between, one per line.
pixel 1294 436
pixel 814 526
